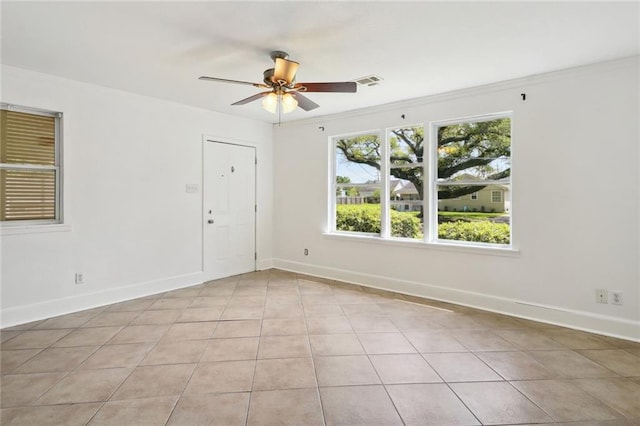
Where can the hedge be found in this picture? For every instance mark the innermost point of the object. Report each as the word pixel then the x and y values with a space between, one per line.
pixel 480 231
pixel 366 218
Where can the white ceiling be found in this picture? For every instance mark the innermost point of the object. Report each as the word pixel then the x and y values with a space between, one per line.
pixel 419 48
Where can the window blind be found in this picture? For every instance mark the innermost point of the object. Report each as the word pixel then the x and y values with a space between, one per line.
pixel 28 169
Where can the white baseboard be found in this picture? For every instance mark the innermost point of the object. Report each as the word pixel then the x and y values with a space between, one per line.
pixel 264 264
pixel 38 311
pixel 579 320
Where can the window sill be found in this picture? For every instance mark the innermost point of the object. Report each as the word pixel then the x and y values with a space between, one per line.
pixel 34 229
pixel 454 247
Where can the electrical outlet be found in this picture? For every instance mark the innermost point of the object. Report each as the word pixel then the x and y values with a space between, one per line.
pixel 192 188
pixel 306 252
pixel 602 296
pixel 616 297
pixel 79 278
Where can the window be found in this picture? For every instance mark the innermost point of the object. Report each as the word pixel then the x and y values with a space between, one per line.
pixel 472 157
pixel 406 177
pixel 29 166
pixel 381 189
pixel 357 183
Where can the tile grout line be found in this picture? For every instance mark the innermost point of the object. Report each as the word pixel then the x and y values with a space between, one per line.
pixel 153 346
pixel 103 403
pixel 313 363
pixel 197 363
pixel 384 386
pixel 442 378
pixel 255 367
pixel 68 372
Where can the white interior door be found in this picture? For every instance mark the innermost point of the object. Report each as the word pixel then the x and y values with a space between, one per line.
pixel 229 194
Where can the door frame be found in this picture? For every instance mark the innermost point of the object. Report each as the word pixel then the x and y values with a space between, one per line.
pixel 227 141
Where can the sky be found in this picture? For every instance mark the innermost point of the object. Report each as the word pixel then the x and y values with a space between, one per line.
pixel 358 173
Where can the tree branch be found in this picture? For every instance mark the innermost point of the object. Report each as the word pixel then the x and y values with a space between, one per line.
pixel 370 160
pixel 446 172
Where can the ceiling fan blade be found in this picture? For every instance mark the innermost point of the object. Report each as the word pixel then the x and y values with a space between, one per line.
pixel 251 98
pixel 345 87
pixel 285 70
pixel 304 102
pixel 224 80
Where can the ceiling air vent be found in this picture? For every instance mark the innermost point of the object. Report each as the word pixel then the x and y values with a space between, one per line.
pixel 370 80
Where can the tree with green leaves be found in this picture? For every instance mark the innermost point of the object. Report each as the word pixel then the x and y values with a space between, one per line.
pixel 348 191
pixel 466 151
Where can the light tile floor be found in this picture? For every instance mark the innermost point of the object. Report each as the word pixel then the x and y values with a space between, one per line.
pixel 276 348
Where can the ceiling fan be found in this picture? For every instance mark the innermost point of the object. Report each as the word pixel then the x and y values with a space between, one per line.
pixel 284 94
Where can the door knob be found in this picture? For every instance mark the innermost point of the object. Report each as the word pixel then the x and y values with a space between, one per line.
pixel 210 221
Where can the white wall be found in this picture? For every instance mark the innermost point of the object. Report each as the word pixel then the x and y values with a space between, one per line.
pixel 575 202
pixel 130 227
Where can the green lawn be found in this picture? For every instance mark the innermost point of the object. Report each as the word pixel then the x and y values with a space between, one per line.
pixel 470 215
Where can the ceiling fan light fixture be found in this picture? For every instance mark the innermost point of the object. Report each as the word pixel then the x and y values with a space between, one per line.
pixel 285 101
pixel 270 102
pixel 289 103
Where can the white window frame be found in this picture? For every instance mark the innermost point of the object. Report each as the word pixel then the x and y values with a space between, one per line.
pixel 333 185
pixel 433 180
pixel 430 201
pixel 386 165
pixel 57 167
pixel 473 196
pixel 494 191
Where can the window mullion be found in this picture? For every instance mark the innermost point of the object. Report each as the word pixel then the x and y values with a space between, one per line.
pixel 431 190
pixel 333 187
pixel 385 214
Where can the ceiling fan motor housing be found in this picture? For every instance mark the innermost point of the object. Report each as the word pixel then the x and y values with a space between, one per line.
pixel 278 54
pixel 268 77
